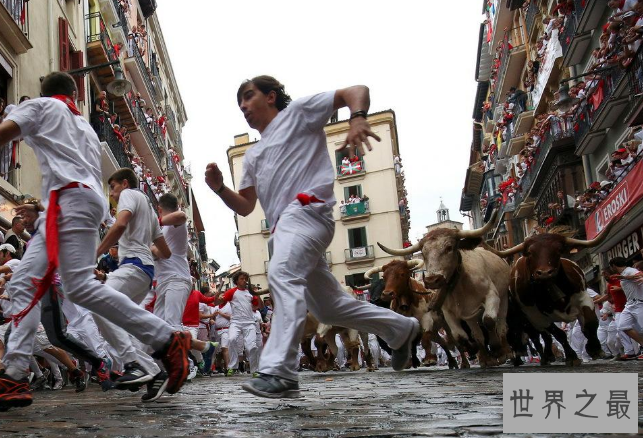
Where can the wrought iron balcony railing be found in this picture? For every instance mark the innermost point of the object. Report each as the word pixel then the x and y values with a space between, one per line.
pixel 19 11
pixel 359 253
pixel 106 133
pixel 352 168
pixel 357 209
pixel 97 31
pixel 530 19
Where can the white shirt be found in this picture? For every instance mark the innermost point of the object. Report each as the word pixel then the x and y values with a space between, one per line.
pixel 177 265
pixel 204 308
pixel 631 289
pixel 66 146
pixel 258 321
pixel 142 229
pixel 241 305
pixel 220 321
pixel 294 142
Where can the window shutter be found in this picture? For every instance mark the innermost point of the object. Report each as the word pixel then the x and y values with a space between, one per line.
pixel 362 232
pixel 359 190
pixel 77 61
pixel 351 238
pixel 63 44
pixel 347 193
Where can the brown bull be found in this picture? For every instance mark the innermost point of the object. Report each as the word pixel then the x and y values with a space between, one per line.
pixel 409 297
pixel 550 288
pixel 473 288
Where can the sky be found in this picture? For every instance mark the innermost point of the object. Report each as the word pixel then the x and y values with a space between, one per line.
pixel 416 59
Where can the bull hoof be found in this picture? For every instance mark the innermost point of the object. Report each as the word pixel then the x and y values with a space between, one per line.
pixel 574 362
pixel 517 361
pixel 465 366
pixel 355 368
pixel 370 369
pixel 429 363
pixel 453 365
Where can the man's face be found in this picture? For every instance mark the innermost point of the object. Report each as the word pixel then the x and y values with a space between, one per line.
pixel 242 282
pixel 112 211
pixel 29 220
pixel 19 227
pixel 4 256
pixel 116 187
pixel 113 252
pixel 255 105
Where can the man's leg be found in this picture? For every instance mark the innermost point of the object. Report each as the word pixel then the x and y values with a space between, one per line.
pixel 175 294
pixel 250 342
pixel 233 347
pixel 626 341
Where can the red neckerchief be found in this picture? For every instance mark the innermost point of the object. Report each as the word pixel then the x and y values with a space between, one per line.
pixel 67 101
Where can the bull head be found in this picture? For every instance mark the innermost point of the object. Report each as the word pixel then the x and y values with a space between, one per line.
pixel 393 286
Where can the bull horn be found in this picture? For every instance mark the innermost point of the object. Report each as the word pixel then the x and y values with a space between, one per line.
pixel 589 243
pixel 415 263
pixel 375 270
pixel 400 252
pixel 478 232
pixel 507 252
pixel 362 288
pixel 260 292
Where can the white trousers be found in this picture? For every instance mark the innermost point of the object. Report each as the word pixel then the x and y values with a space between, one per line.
pixel 222 336
pixel 603 337
pixel 300 280
pixel 194 332
pixel 85 329
pixel 613 340
pixel 82 210
pixel 374 348
pixel 578 342
pixel 243 336
pixel 135 284
pixel 171 296
pixel 627 342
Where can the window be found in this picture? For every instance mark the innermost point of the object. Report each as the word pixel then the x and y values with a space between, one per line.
pixel 355 190
pixel 601 169
pixel 355 280
pixel 357 237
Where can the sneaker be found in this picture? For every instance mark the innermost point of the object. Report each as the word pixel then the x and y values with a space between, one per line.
pixel 133 377
pixel 77 377
pixel 231 372
pixel 269 386
pixel 101 373
pixel 192 373
pixel 640 357
pixel 14 393
pixel 175 359
pixel 155 388
pixel 255 374
pixel 58 384
pixel 623 357
pixel 39 383
pixel 401 356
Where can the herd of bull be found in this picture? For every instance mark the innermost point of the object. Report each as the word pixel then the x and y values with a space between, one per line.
pixel 472 299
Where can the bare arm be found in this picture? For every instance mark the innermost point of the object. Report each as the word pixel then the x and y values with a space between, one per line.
pixel 356 98
pixel 163 251
pixel 114 233
pixel 176 218
pixel 9 130
pixel 242 202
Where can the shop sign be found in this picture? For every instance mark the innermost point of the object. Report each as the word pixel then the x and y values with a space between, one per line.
pixel 628 247
pixel 624 196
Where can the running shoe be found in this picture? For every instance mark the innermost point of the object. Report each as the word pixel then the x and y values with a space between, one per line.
pixel 626 357
pixel 401 356
pixel 39 383
pixel 155 388
pixel 133 378
pixel 58 384
pixel 77 377
pixel 269 386
pixel 192 373
pixel 231 373
pixel 101 373
pixel 175 360
pixel 14 393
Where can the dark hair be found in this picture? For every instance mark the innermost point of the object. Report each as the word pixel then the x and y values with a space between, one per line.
pixel 619 262
pixel 236 276
pixel 266 84
pixel 23 98
pixel 58 82
pixel 169 202
pixel 14 255
pixel 205 289
pixel 124 174
pixel 15 220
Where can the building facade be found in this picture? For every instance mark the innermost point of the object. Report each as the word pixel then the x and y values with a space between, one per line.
pixel 140 129
pixel 556 119
pixel 369 191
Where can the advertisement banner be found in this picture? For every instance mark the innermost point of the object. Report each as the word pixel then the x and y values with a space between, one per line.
pixel 625 195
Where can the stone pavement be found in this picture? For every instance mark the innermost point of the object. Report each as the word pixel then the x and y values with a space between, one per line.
pixel 423 402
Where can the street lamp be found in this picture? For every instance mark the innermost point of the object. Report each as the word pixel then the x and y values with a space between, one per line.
pixel 565 101
pixel 118 87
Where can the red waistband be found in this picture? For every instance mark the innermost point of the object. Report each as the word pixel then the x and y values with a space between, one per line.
pixel 222 328
pixel 74 185
pixel 305 199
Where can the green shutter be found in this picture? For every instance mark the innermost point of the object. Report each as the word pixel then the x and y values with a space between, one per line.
pixel 351 238
pixel 359 190
pixel 347 193
pixel 363 236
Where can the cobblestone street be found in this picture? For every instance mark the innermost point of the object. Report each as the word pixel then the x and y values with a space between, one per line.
pixel 424 402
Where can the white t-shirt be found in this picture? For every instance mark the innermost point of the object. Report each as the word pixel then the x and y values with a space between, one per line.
pixel 177 265
pixel 258 321
pixel 220 321
pixel 11 264
pixel 241 306
pixel 142 229
pixel 631 289
pixel 294 143
pixel 66 146
pixel 204 308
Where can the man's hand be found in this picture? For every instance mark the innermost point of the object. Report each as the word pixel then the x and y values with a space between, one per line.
pixel 213 176
pixel 22 209
pixel 357 136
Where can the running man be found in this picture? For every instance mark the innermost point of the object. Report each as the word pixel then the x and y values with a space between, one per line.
pixel 300 205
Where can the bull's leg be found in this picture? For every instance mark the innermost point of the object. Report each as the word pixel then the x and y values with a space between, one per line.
pixel 465 360
pixel 350 338
pixel 571 359
pixel 589 326
pixel 494 320
pixel 368 356
pixel 547 352
pixel 453 364
pixel 430 359
pixel 459 334
pixel 484 358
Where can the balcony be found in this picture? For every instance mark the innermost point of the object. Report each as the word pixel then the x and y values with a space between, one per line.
pixel 116 148
pixel 12 26
pixel 361 254
pixel 355 212
pixel 266 264
pixel 589 13
pixel 151 195
pixel 473 180
pixel 265 227
pixel 327 256
pixel 574 39
pixel 144 140
pixel 635 82
pixel 8 166
pixel 592 121
pixel 530 20
pixel 142 77
pixel 173 169
pixel 512 61
pixel 555 201
pixel 100 50
pixel 350 171
pixel 174 133
pixel 115 18
pixel 515 145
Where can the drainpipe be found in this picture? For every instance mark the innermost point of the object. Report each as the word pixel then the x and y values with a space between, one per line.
pixel 51 31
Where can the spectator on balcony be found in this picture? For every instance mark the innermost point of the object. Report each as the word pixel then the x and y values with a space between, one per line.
pixel 345 161
pixel 142 41
pixel 402 206
pixel 132 41
pixel 100 113
pixel 342 208
pixel 397 164
pixel 149 117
